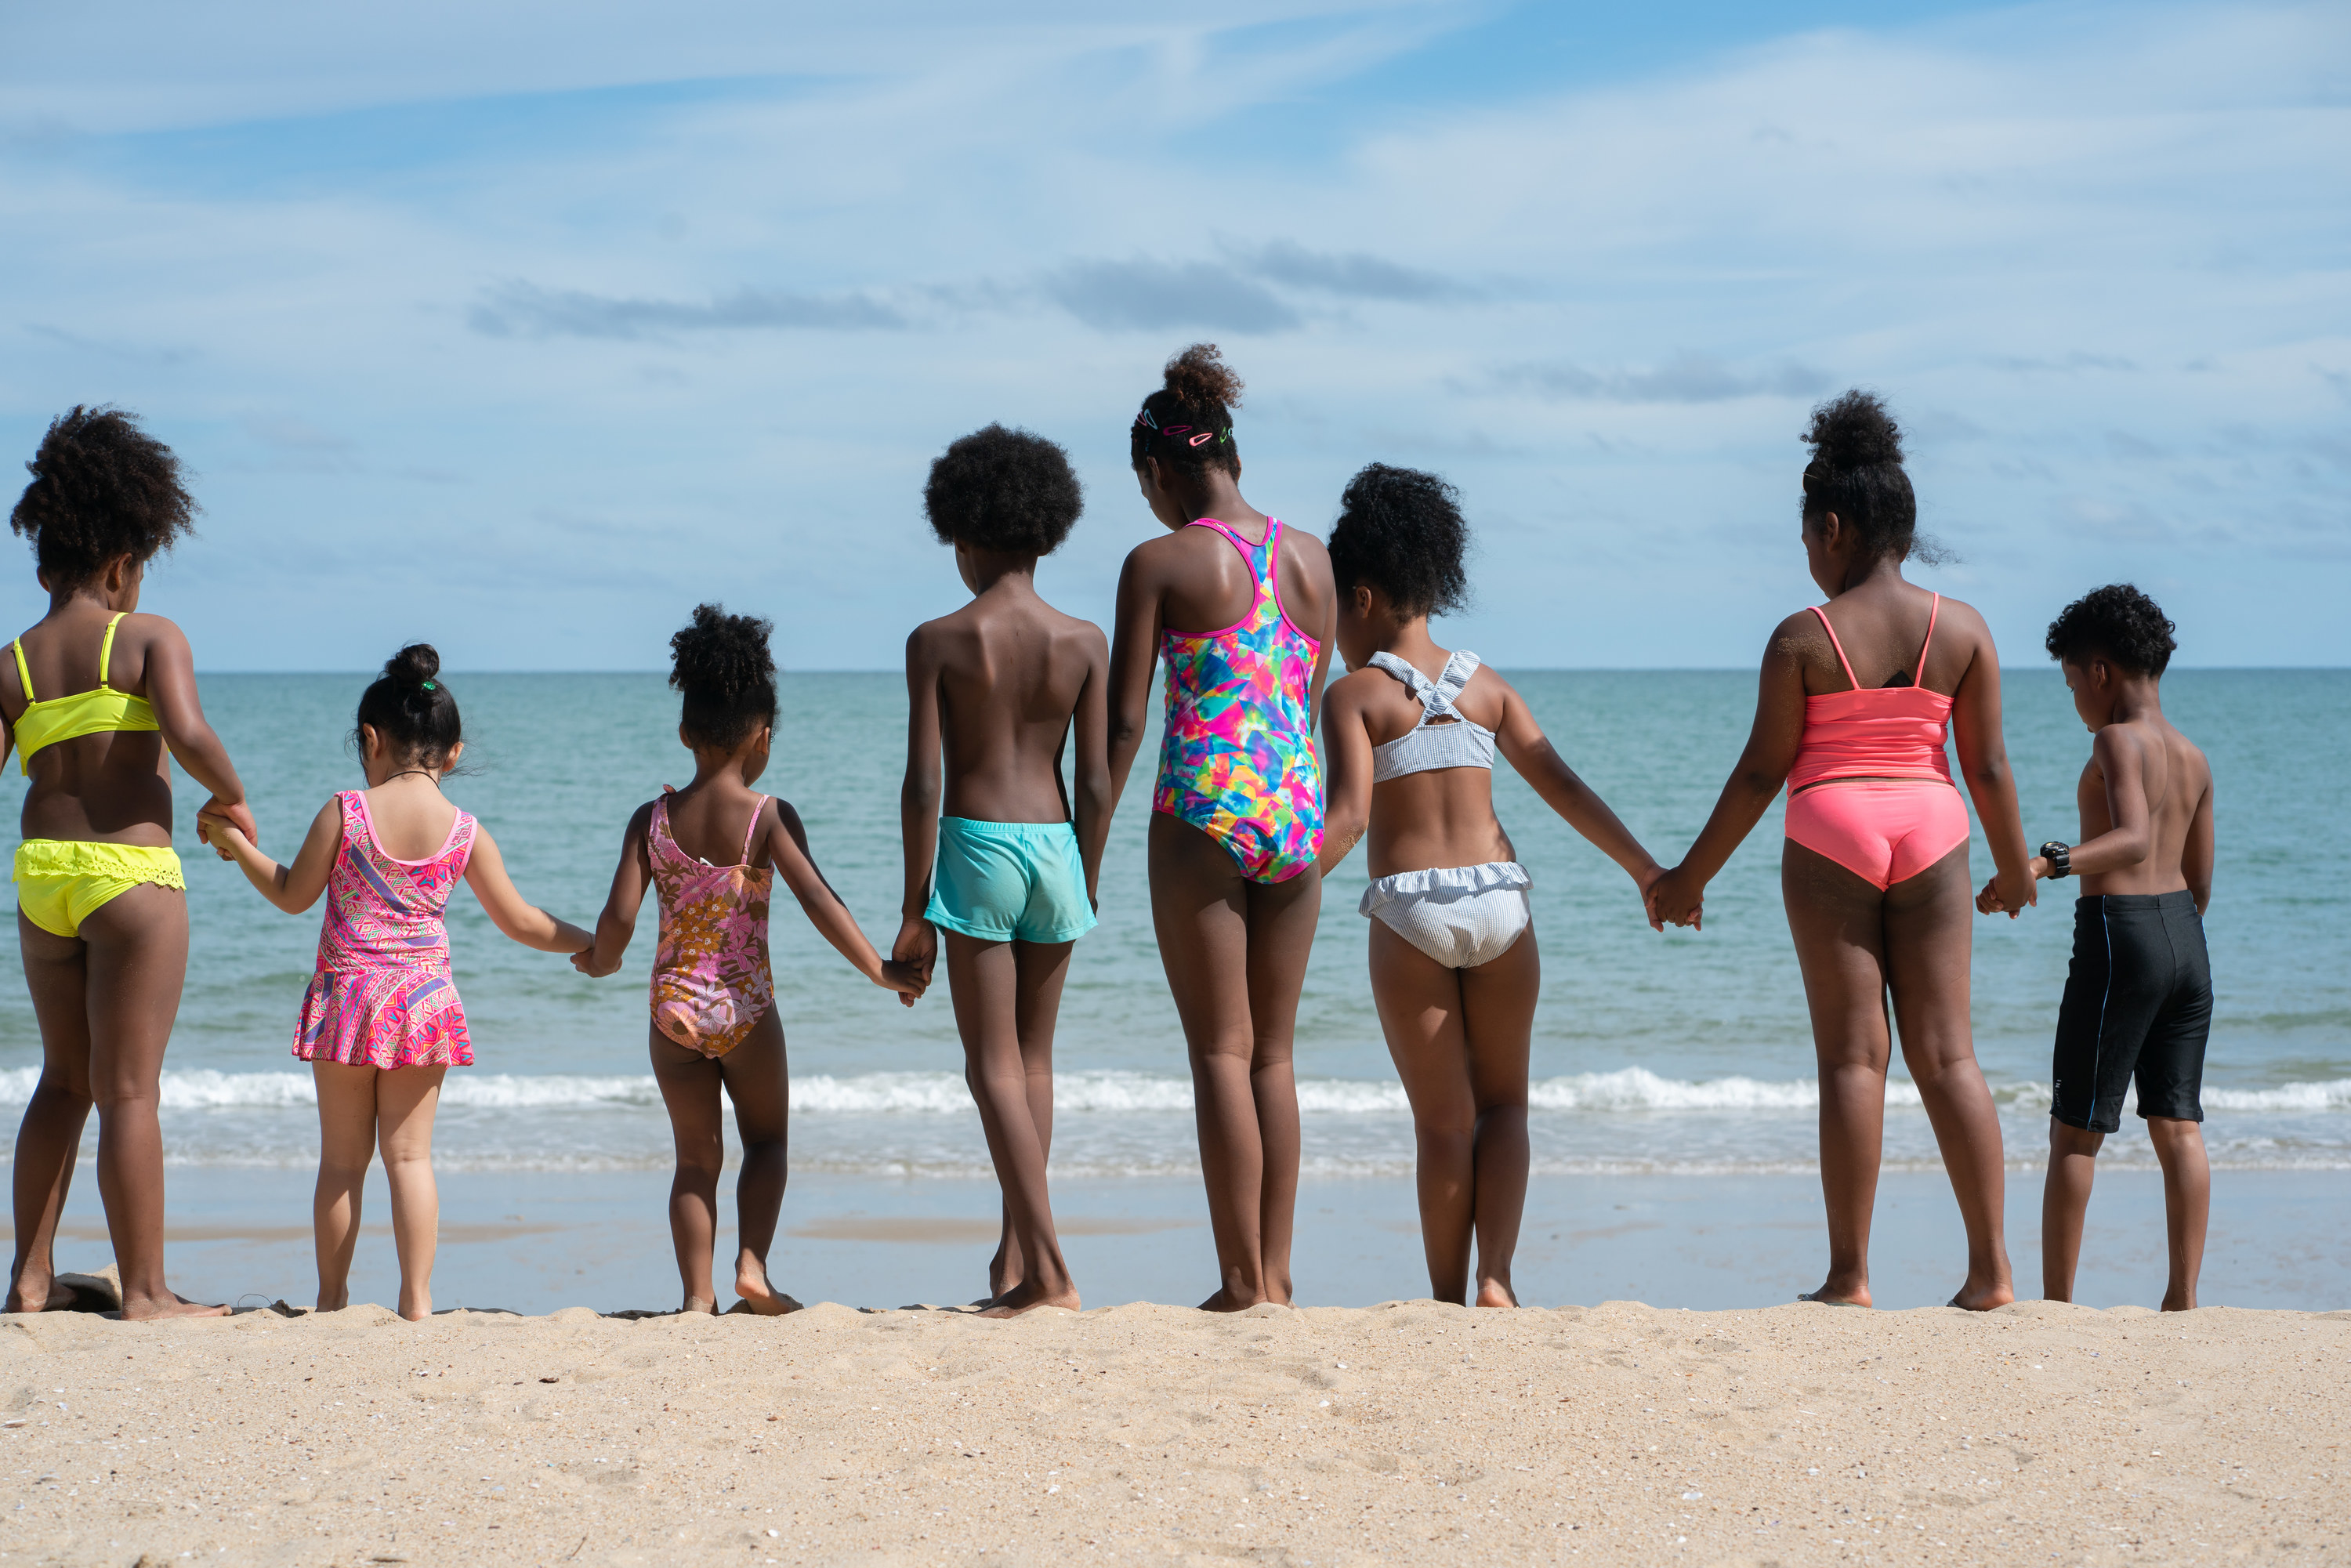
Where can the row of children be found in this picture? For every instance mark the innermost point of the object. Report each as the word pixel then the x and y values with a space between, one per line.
pixel 1003 859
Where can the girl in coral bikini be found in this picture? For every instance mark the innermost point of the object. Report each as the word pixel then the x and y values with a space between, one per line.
pixel 711 852
pixel 1857 697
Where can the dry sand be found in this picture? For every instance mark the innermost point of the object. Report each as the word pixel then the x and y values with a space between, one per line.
pixel 1616 1434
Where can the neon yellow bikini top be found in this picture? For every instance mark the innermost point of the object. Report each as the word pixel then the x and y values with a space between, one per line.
pixel 97 711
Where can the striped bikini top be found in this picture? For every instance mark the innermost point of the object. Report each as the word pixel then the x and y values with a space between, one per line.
pixel 98 711
pixel 1433 742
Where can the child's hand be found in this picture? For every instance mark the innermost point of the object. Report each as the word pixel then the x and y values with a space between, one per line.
pixel 2015 894
pixel 918 945
pixel 1988 901
pixel 585 962
pixel 227 840
pixel 1673 900
pixel 903 978
pixel 233 813
pixel 1646 882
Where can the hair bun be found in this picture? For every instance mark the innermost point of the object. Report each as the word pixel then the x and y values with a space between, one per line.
pixel 1199 379
pixel 413 666
pixel 1853 431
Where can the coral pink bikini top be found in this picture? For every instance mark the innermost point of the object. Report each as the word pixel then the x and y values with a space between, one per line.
pixel 1892 732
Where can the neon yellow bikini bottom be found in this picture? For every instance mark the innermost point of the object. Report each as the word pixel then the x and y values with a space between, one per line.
pixel 61 882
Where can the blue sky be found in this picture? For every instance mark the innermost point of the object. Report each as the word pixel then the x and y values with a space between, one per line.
pixel 522 329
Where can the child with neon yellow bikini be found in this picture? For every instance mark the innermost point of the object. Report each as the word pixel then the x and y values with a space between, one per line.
pixel 1410 736
pixel 1000 688
pixel 711 852
pixel 381 1023
pixel 1240 607
pixel 97 700
pixel 1875 870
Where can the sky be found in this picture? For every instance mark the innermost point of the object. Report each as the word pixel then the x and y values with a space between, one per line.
pixel 521 328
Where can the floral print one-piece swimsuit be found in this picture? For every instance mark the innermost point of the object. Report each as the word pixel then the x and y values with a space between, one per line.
pixel 1238 761
pixel 711 979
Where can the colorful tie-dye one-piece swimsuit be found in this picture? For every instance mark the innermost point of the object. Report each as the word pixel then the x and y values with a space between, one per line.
pixel 1238 761
pixel 382 995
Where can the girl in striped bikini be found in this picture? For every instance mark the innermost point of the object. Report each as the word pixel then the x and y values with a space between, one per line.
pixel 1240 608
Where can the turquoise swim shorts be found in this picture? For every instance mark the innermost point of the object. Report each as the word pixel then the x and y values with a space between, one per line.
pixel 1009 882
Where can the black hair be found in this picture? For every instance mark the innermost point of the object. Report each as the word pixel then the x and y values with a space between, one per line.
pixel 101 488
pixel 2119 622
pixel 1857 473
pixel 1401 531
pixel 722 667
pixel 1003 490
pixel 1189 420
pixel 415 712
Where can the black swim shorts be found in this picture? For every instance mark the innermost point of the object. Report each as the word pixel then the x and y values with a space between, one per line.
pixel 2139 1005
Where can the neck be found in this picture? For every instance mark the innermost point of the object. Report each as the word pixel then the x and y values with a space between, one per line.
pixel 720 769
pixel 1214 493
pixel 93 593
pixel 1884 567
pixel 1410 641
pixel 2135 699
pixel 989 569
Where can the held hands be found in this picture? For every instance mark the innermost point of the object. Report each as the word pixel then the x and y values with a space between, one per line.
pixel 585 962
pixel 1675 898
pixel 1645 880
pixel 914 953
pixel 217 815
pixel 2002 895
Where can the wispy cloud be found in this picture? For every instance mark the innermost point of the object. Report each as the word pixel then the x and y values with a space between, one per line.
pixel 2071 364
pixel 520 310
pixel 1350 276
pixel 1685 378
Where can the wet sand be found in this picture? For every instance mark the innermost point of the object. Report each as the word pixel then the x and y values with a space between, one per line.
pixel 1153 1434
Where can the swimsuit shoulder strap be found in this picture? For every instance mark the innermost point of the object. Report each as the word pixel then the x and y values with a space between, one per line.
pixel 1838 646
pixel 24 675
pixel 758 810
pixel 1414 681
pixel 1454 678
pixel 1932 614
pixel 106 647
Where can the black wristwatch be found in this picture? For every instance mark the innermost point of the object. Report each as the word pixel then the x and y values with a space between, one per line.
pixel 2060 859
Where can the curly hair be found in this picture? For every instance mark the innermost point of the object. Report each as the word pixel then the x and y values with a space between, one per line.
pixel 1401 531
pixel 2119 622
pixel 1003 490
pixel 1857 473
pixel 1189 420
pixel 102 488
pixel 722 667
pixel 415 714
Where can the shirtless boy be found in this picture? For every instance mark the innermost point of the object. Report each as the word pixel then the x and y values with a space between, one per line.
pixel 2138 997
pixel 1009 873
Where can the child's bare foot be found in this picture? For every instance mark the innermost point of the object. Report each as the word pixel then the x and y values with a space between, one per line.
pixel 1981 1298
pixel 417 1307
pixel 760 1294
pixel 699 1305
pixel 169 1305
pixel 1828 1295
pixel 37 1293
pixel 1496 1294
pixel 1226 1302
pixel 1027 1297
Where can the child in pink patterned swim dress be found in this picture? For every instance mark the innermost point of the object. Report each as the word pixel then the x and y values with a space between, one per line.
pixel 711 852
pixel 381 1022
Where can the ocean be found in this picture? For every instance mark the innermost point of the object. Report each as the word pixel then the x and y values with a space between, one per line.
pixel 1685 1055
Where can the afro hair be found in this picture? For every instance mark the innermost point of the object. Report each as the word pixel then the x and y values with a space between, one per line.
pixel 1003 490
pixel 2119 622
pixel 722 667
pixel 1857 472
pixel 102 488
pixel 1189 420
pixel 1400 531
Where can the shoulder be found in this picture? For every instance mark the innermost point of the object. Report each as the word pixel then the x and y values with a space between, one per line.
pixel 1799 635
pixel 1078 630
pixel 1958 614
pixel 641 818
pixel 1351 692
pixel 1298 538
pixel 153 631
pixel 1485 681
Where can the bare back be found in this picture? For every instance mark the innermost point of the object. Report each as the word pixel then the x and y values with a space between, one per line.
pixel 113 787
pixel 2144 764
pixel 1443 817
pixel 1203 584
pixel 1009 673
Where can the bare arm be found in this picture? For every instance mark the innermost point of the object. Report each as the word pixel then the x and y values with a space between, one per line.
pixel 2121 758
pixel 292 888
pixel 918 804
pixel 2196 854
pixel 619 921
pixel 171 692
pixel 485 873
pixel 1090 769
pixel 1134 652
pixel 1347 770
pixel 1761 769
pixel 1983 763
pixel 789 848
pixel 1528 750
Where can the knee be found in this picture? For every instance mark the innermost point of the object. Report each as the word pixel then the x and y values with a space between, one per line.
pixel 763 1148
pixel 62 1096
pixel 125 1098
pixel 701 1162
pixel 1501 1116
pixel 2069 1141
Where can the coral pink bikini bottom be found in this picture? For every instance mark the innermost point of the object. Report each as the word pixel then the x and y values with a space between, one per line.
pixel 1882 831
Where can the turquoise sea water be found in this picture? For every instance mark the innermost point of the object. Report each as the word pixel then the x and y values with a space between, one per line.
pixel 1653 1055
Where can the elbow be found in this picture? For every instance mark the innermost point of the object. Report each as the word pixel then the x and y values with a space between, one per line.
pixel 1125 728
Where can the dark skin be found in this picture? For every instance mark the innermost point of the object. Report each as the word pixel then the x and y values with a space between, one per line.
pixel 1459 1038
pixel 1235 950
pixel 2146 804
pixel 710 819
pixel 106 998
pixel 995 690
pixel 1855 942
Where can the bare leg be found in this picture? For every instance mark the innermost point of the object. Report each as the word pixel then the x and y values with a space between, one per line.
pixel 1928 939
pixel 1236 952
pixel 999 988
pixel 2064 1200
pixel 138 957
pixel 1419 1002
pixel 758 1080
pixel 347 1117
pixel 1041 971
pixel 406 1099
pixel 49 1140
pixel 2186 1204
pixel 1498 1003
pixel 1836 919
pixel 689 1085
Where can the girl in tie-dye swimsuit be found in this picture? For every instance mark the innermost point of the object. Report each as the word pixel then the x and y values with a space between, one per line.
pixel 712 852
pixel 1237 810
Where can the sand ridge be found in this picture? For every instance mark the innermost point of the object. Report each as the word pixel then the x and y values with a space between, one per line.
pixel 1615 1434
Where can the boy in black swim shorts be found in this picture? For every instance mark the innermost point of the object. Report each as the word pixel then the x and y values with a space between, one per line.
pixel 2138 997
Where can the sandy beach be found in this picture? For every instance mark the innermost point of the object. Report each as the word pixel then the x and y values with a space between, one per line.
pixel 1614 1434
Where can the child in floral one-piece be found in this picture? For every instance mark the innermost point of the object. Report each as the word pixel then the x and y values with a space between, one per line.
pixel 381 1022
pixel 711 851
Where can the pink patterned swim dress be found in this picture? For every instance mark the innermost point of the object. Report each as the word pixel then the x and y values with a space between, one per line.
pixel 711 979
pixel 1238 760
pixel 383 995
